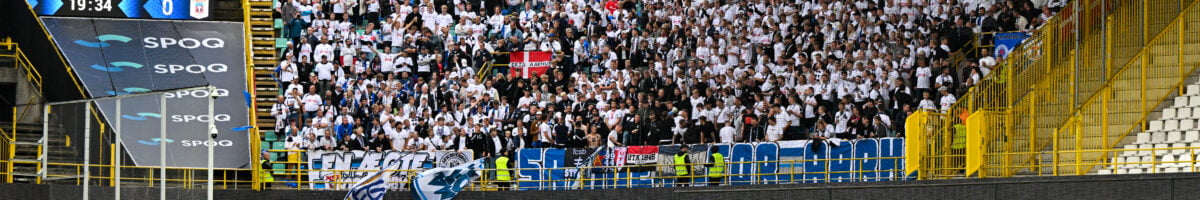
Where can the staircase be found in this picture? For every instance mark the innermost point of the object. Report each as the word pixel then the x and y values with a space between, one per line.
pixel 1075 100
pixel 264 46
pixel 1167 62
pixel 28 152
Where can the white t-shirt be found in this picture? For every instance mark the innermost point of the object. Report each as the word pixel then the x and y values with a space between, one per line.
pixel 288 71
pixel 323 51
pixel 727 134
pixel 312 102
pixel 923 74
pixel 947 101
pixel 325 71
pixel 387 62
pixel 774 133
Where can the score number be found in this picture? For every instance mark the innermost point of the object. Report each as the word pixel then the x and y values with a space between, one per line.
pixel 92 5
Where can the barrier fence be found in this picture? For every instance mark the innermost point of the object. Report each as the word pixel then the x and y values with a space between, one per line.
pixel 1061 101
pixel 581 168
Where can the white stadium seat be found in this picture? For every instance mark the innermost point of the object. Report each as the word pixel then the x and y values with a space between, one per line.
pixel 1147 162
pixel 1104 172
pixel 1131 162
pixel 1178 148
pixel 1155 125
pixel 1181 101
pixel 1184 113
pixel 1158 137
pixel 1130 150
pixel 1170 125
pixel 1122 171
pixel 1167 161
pixel 1194 102
pixel 1144 149
pixel 1143 138
pixel 1161 149
pixel 1186 124
pixel 1168 113
pixel 1186 161
pixel 1195 147
pixel 1174 136
pixel 1193 90
pixel 1191 136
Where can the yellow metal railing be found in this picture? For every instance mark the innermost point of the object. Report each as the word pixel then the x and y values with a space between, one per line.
pixel 255 137
pixel 8 138
pixel 1077 86
pixel 148 176
pixel 299 172
pixel 1149 160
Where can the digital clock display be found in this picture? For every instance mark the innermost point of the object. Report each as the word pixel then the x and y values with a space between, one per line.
pixel 148 9
pixel 91 5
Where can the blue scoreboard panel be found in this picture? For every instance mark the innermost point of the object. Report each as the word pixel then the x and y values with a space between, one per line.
pixel 145 9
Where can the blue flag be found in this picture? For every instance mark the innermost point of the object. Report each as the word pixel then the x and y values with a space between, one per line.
pixel 374 186
pixel 445 183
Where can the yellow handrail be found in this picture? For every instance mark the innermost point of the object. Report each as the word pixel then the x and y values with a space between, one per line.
pixel 1053 93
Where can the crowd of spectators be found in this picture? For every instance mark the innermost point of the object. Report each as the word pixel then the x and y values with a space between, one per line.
pixel 407 74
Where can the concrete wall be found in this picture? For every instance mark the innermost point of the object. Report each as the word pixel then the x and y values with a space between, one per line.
pixel 1157 186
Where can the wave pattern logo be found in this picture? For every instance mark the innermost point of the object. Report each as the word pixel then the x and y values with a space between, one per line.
pixel 156 141
pixel 117 66
pixel 141 116
pixel 104 40
pixel 129 90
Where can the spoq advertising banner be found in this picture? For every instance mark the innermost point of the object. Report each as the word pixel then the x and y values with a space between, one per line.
pixel 115 57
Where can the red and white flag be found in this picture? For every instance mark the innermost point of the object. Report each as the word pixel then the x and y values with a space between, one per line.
pixel 529 63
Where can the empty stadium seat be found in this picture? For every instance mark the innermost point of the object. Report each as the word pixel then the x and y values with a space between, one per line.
pixel 1184 113
pixel 1174 136
pixel 1158 137
pixel 1142 138
pixel 1168 161
pixel 1155 125
pixel 1170 170
pixel 1191 136
pixel 1178 148
pixel 270 136
pixel 1131 149
pixel 1147 162
pixel 1195 147
pixel 1186 124
pixel 1143 149
pixel 1185 160
pixel 1104 172
pixel 1135 171
pixel 1181 101
pixel 1122 171
pixel 1131 162
pixel 1193 90
pixel 1161 149
pixel 1170 125
pixel 1168 113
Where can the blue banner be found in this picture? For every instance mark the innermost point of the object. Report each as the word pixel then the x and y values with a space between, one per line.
pixel 765 154
pixel 529 159
pixel 866 150
pixel 1006 42
pixel 844 150
pixel 765 163
pixel 740 169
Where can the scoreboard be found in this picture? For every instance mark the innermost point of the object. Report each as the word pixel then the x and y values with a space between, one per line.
pixel 143 9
